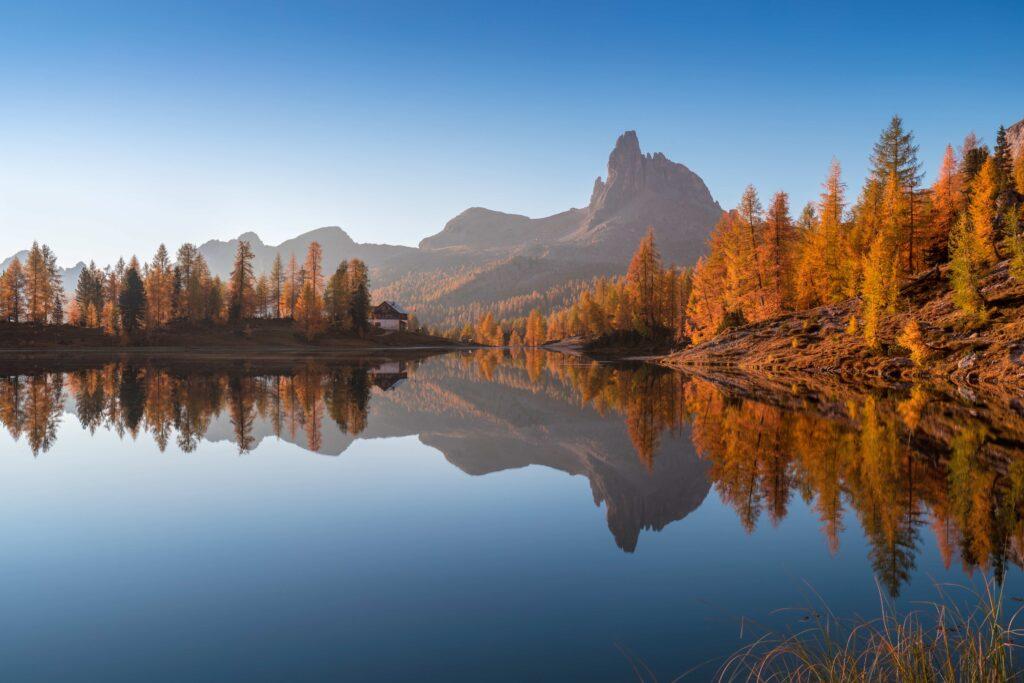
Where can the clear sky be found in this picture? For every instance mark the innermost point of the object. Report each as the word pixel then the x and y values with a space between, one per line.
pixel 128 124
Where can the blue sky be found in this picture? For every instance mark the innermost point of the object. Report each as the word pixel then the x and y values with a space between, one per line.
pixel 125 125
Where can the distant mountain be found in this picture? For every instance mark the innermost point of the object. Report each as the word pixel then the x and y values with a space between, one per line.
pixel 514 263
pixel 641 191
pixel 485 258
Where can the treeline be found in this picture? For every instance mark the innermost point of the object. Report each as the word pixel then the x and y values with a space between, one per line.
pixel 129 298
pixel 762 262
pixel 649 301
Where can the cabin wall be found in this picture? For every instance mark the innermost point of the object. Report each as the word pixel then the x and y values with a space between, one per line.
pixel 388 323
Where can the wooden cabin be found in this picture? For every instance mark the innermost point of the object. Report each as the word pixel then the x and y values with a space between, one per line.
pixel 388 315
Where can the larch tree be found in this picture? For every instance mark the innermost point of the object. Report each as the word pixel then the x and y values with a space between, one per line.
pixel 262 297
pixel 831 211
pixel 290 288
pixel 984 192
pixel 241 288
pixel 276 284
pixel 779 238
pixel 535 332
pixel 881 287
pixel 947 199
pixel 642 282
pixel 159 289
pixel 38 286
pixel 309 313
pixel 12 292
pixel 967 257
pixel 750 212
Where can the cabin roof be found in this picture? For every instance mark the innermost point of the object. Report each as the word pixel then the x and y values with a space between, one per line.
pixel 383 306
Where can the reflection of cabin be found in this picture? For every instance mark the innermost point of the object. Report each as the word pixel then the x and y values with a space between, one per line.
pixel 388 315
pixel 388 375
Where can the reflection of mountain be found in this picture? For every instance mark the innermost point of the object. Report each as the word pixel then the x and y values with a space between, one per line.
pixel 483 427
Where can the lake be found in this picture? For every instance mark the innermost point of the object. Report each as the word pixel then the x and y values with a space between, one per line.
pixel 483 515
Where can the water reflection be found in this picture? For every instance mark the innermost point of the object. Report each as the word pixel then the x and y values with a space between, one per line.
pixel 650 442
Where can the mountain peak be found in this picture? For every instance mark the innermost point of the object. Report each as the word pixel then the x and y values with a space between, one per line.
pixel 626 157
pixel 251 237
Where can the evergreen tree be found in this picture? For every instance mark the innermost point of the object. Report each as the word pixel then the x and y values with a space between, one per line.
pixel 359 286
pixel 338 298
pixel 1003 157
pixel 132 301
pixel 896 154
pixel 89 295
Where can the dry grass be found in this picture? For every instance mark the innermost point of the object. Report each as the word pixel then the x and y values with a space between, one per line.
pixel 940 641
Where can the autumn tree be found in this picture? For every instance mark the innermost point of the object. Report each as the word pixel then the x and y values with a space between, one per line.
pixel 309 312
pixel 535 329
pixel 159 283
pixel 984 192
pixel 292 283
pixel 39 293
pixel 947 200
pixel 261 297
pixel 276 285
pixel 779 248
pixel 642 283
pixel 967 257
pixel 880 289
pixel 240 286
pixel 12 292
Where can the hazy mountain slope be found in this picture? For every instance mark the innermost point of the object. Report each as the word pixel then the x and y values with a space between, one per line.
pixel 336 243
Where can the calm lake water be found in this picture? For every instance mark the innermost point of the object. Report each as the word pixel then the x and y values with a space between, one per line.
pixel 474 516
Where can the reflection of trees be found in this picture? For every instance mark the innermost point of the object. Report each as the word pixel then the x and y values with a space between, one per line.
pixel 128 398
pixel 43 408
pixel 762 454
